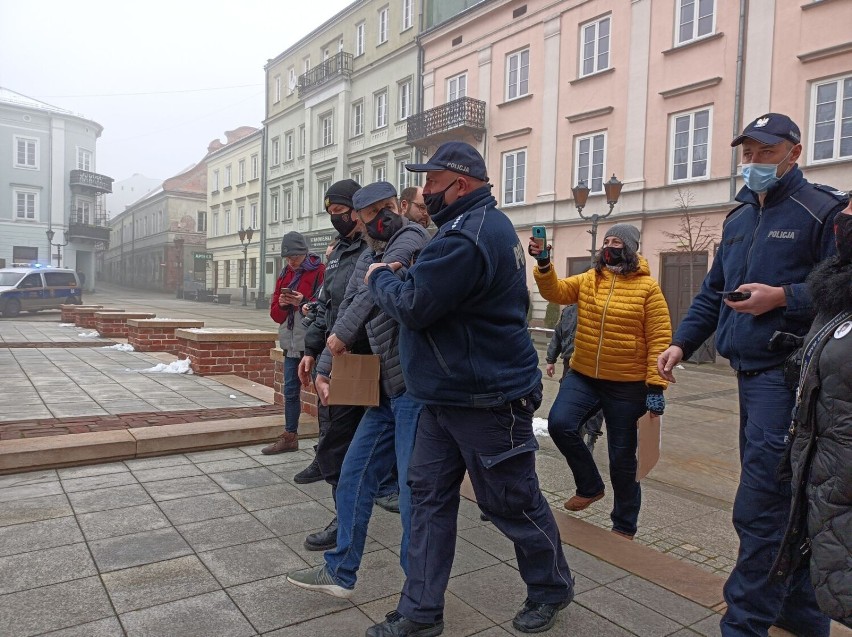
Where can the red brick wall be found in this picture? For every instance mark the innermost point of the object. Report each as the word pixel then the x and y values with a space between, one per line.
pixel 152 339
pixel 116 325
pixel 247 359
pixel 308 395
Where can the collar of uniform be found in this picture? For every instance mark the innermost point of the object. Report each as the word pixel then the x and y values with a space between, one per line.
pixel 789 183
pixel 480 197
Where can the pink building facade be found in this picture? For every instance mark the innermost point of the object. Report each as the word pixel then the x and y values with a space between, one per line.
pixel 651 91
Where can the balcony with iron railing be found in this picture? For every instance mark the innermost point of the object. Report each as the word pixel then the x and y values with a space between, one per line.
pixel 460 118
pixel 89 225
pixel 93 181
pixel 338 65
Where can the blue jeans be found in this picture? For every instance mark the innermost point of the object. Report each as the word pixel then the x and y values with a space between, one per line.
pixel 761 509
pixel 385 435
pixel 292 391
pixel 578 400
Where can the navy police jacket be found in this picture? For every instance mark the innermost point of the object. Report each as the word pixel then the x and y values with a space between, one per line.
pixel 462 308
pixel 778 244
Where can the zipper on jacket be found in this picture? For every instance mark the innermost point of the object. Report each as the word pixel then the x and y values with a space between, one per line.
pixel 748 261
pixel 603 319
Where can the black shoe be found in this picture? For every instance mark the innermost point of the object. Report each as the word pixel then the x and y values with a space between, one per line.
pixel 309 474
pixel 388 502
pixel 484 517
pixel 324 540
pixel 537 617
pixel 395 625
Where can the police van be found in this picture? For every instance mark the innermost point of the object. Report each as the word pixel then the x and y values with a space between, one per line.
pixel 31 288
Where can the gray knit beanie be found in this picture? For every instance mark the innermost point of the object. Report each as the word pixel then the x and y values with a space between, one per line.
pixel 293 244
pixel 627 233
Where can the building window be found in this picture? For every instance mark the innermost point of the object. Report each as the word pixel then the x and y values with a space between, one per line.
pixel 241 217
pixel 25 205
pixel 84 213
pixel 216 180
pixel 356 176
pixel 275 205
pixel 457 87
pixel 277 88
pixel 589 161
pixel 84 159
pixel 360 30
pixel 379 172
pixel 357 119
pixel 306 66
pixel 276 151
pixel 214 226
pixel 255 167
pixel 340 45
pixel 517 74
pixel 690 134
pixel 300 199
pixel 383 25
pixel 288 147
pixel 323 184
pixel 407 15
pixel 26 152
pixel 403 176
pixel 160 227
pixel 831 121
pixel 594 56
pixel 241 172
pixel 227 272
pixel 228 176
pixel 302 140
pixel 404 100
pixel 695 19
pixel 227 221
pixel 253 219
pixel 514 176
pixel 201 221
pixel 381 109
pixel 288 205
pixel 326 130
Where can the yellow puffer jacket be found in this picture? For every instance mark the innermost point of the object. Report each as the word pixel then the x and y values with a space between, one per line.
pixel 623 322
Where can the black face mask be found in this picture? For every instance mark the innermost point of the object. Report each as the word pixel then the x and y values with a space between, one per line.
pixel 613 256
pixel 435 200
pixel 843 237
pixel 384 225
pixel 344 223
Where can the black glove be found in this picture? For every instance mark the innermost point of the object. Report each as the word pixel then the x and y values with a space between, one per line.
pixel 655 402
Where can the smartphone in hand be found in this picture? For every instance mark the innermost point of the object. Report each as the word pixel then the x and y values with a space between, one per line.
pixel 539 234
pixel 734 296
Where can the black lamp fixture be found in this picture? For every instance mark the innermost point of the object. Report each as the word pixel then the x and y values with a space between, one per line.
pixel 581 191
pixel 50 234
pixel 245 240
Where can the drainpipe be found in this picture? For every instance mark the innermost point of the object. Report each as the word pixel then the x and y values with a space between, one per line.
pixel 261 259
pixel 738 94
pixel 420 62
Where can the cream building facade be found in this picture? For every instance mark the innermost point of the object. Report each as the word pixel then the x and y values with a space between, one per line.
pixel 651 91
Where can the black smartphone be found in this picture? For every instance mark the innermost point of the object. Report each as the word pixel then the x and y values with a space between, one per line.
pixel 539 233
pixel 734 296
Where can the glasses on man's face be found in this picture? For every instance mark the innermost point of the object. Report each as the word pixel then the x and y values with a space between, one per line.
pixel 421 206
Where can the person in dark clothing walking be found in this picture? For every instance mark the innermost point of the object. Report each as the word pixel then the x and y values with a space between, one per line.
pixel 467 356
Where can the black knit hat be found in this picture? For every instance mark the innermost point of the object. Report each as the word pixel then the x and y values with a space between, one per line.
pixel 341 192
pixel 293 244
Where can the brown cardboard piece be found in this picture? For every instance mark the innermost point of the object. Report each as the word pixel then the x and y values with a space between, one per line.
pixel 354 380
pixel 650 431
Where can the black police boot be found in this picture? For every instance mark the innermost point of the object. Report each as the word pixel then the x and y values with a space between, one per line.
pixel 537 617
pixel 309 474
pixel 324 540
pixel 395 625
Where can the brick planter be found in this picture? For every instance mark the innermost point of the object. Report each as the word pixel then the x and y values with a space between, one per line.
pixel 69 311
pixel 243 352
pixel 308 395
pixel 115 323
pixel 156 335
pixel 85 316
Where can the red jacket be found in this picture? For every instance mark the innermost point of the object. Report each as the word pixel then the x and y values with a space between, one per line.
pixel 309 286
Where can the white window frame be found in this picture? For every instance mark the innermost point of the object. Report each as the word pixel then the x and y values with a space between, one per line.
pixel 216 180
pixel 356 176
pixel 300 198
pixel 521 86
pixel 288 147
pixel 456 87
pixel 323 184
pixel 306 64
pixel 275 207
pixel 228 176
pixel 253 215
pixel 593 29
pixel 213 228
pixel 255 166
pixel 326 129
pixel 404 100
pixel 288 204
pixel 19 139
pixel 241 171
pixel 358 118
pixel 407 15
pixel 381 101
pixel 241 218
pixel 679 5
pixel 85 159
pixel 360 38
pixel 513 199
pixel 30 204
pixel 403 176
pixel 277 89
pixel 276 151
pixel 291 80
pixel 227 221
pixel 200 220
pixel 673 118
pixel 591 138
pixel 384 18
pixel 841 95
pixel 379 172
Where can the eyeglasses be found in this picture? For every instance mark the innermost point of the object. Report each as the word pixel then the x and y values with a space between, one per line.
pixel 421 206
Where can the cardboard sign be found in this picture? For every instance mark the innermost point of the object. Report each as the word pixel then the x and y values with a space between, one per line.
pixel 650 441
pixel 354 380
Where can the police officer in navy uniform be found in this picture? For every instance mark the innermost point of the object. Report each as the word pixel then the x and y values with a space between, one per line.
pixel 467 356
pixel 770 243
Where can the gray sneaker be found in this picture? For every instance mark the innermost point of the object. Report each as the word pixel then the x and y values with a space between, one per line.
pixel 388 502
pixel 319 579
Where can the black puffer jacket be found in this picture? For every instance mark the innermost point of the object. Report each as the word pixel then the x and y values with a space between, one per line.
pixel 821 454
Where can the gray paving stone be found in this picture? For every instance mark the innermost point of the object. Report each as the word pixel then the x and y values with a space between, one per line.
pixel 261 602
pixel 215 454
pixel 489 539
pixel 497 591
pixel 34 509
pixel 495 631
pixel 98 482
pixel 201 507
pixel 659 599
pixel 158 583
pixel 125 551
pixel 103 524
pixel 35 536
pixel 43 567
pixel 181 488
pixel 579 621
pixel 275 495
pixel 708 627
pixel 27 478
pixel 229 464
pixel 208 615
pixel 214 534
pixel 140 464
pixel 252 561
pixel 91 470
pixel 469 558
pixel 246 478
pixel 626 613
pixel 593 568
pixel 166 473
pixel 348 622
pixel 53 607
pixel 109 627
pixel 380 575
pixel 111 498
pixel 301 517
pixel 33 490
pixel 284 464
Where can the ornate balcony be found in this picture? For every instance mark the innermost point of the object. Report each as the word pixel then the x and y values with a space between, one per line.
pixel 89 226
pixel 92 181
pixel 339 65
pixel 464 117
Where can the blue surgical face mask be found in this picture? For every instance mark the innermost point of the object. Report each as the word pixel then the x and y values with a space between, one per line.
pixel 761 177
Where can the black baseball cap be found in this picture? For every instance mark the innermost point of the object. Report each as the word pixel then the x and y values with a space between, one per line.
pixel 457 157
pixel 770 128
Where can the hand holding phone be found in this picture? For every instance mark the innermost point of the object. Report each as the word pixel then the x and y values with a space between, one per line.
pixel 539 234
pixel 734 295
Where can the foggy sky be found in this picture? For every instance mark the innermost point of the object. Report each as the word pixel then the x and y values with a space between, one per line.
pixel 152 73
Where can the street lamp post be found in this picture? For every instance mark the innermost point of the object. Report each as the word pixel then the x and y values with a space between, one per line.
pixel 581 195
pixel 50 234
pixel 179 252
pixel 245 240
